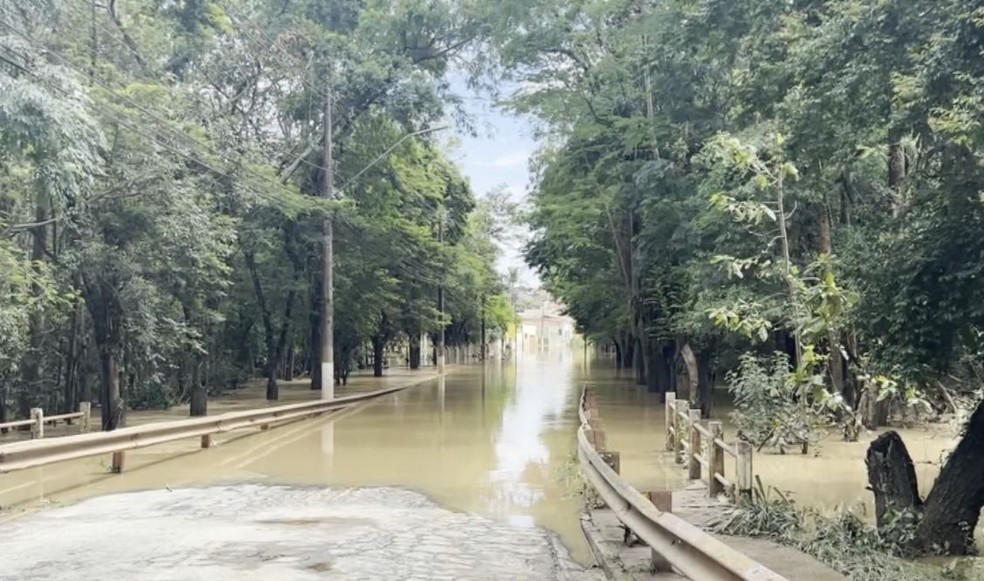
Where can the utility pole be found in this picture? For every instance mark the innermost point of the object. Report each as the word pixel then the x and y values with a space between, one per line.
pixel 440 298
pixel 328 267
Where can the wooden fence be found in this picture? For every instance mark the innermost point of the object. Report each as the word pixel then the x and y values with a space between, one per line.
pixel 700 445
pixel 39 420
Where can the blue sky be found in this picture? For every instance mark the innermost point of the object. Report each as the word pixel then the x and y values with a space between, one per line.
pixel 498 156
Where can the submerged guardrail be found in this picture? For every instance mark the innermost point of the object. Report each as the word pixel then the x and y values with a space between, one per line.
pixel 39 452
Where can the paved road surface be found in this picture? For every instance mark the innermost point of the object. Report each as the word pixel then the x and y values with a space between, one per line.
pixel 248 532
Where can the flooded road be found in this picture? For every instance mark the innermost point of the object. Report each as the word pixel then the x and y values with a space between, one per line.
pixel 497 442
pixel 494 442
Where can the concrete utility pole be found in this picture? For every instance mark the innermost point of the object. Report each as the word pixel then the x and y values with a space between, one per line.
pixel 439 348
pixel 328 267
pixel 328 249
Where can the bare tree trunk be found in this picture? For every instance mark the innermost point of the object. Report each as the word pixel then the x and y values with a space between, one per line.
pixel 109 392
pixel 693 374
pixel 314 337
pixel 414 351
pixel 952 509
pixel 199 393
pixel 377 355
pixel 835 360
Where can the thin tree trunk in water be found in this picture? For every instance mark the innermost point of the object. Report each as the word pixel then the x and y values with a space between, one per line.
pixel 314 340
pixel 199 394
pixel 651 360
pixel 705 382
pixel 693 375
pixel 952 509
pixel 835 360
pixel 109 392
pixel 3 406
pixel 414 351
pixel 618 353
pixel 289 369
pixel 639 354
pixel 269 335
pixel 31 366
pixel 377 356
pixel 628 351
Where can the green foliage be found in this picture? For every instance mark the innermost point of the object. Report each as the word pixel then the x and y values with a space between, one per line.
pixel 161 216
pixel 842 540
pixel 770 408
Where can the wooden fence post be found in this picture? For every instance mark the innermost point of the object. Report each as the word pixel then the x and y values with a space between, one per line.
pixel 37 428
pixel 715 459
pixel 743 463
pixel 85 424
pixel 670 404
pixel 681 435
pixel 692 464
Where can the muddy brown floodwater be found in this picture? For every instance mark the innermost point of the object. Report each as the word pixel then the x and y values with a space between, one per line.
pixel 496 442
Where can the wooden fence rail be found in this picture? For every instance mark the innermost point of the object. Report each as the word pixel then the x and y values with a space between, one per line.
pixel 39 420
pixel 701 446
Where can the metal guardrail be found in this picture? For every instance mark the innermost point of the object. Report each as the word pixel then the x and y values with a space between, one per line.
pixel 702 447
pixel 675 542
pixel 31 453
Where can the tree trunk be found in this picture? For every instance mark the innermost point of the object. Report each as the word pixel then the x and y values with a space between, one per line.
pixel 693 375
pixel 618 352
pixel 953 507
pixel 640 356
pixel 377 356
pixel 414 351
pixel 705 383
pixel 199 393
pixel 314 336
pixel 650 357
pixel 109 390
pixel 31 365
pixel 891 477
pixel 628 351
pixel 951 511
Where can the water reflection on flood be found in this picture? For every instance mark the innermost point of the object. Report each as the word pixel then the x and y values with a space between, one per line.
pixel 493 441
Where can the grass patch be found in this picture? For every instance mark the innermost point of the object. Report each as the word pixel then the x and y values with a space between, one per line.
pixel 843 541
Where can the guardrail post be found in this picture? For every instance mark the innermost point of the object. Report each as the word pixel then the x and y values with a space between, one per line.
pixel 86 409
pixel 613 459
pixel 663 500
pixel 37 428
pixel 715 459
pixel 118 458
pixel 670 414
pixel 679 433
pixel 743 463
pixel 207 441
pixel 693 466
